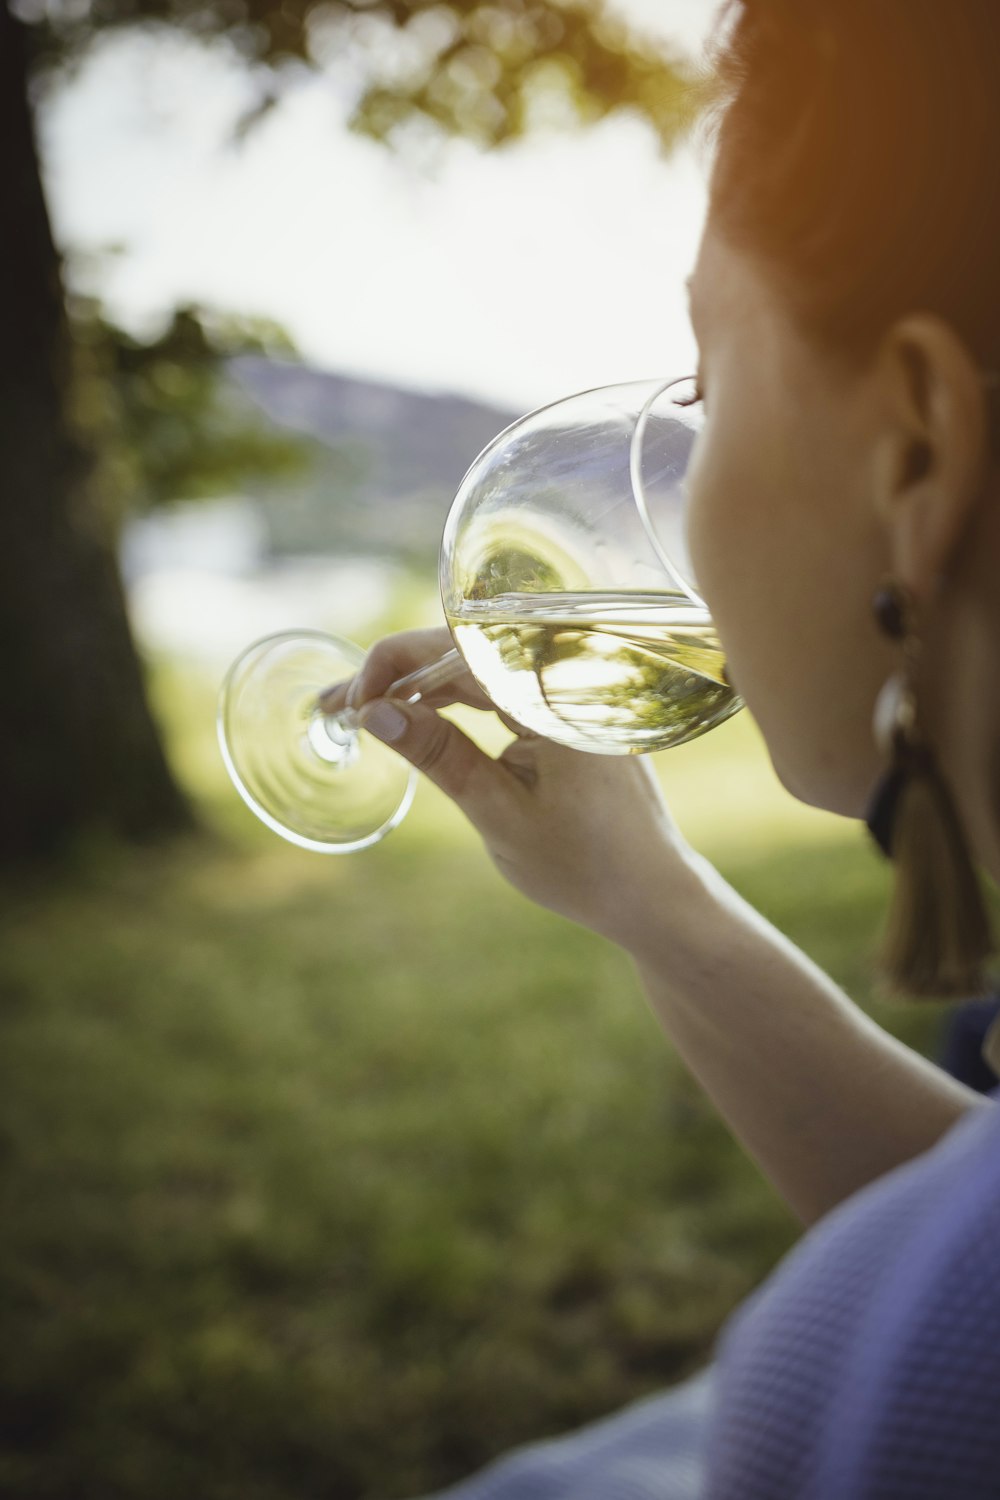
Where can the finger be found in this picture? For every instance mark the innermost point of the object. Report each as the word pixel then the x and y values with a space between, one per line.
pixel 514 727
pixel 435 746
pixel 464 689
pixel 334 698
pixel 397 656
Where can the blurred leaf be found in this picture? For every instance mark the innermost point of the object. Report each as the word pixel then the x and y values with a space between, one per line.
pixel 168 423
pixel 114 421
pixel 488 71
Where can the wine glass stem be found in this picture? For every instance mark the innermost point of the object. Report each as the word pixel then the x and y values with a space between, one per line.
pixel 409 689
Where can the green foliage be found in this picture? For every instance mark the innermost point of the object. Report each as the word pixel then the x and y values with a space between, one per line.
pixel 164 420
pixel 487 71
pixel 334 1178
pixel 494 72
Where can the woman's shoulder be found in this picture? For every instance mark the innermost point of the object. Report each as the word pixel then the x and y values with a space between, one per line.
pixel 876 1344
pixel 930 1205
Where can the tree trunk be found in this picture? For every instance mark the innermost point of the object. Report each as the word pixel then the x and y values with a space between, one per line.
pixel 78 747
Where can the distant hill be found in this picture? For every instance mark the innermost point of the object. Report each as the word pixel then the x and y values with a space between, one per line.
pixel 387 460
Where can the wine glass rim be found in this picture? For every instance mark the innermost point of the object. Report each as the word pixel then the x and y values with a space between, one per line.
pixel 639 488
pixel 655 387
pixel 657 384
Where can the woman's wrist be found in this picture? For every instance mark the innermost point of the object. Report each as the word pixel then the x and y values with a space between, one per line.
pixel 672 902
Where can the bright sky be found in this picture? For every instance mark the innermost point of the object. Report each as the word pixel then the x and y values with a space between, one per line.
pixel 517 275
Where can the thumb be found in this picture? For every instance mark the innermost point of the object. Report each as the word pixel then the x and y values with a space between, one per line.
pixel 435 746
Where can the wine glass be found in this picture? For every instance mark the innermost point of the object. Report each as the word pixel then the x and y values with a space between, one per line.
pixel 568 587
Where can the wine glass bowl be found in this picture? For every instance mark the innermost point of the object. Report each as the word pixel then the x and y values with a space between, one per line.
pixel 558 586
pixel 567 584
pixel 660 451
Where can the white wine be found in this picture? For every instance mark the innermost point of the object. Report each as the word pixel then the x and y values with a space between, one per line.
pixel 613 673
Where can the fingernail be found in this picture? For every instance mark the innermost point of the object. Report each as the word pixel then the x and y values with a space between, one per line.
pixel 330 694
pixel 383 721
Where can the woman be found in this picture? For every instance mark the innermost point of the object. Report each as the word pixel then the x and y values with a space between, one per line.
pixel 845 529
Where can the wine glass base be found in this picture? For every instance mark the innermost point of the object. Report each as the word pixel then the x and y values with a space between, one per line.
pixel 317 782
pixel 332 742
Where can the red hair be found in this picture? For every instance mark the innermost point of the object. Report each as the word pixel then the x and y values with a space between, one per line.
pixel 859 156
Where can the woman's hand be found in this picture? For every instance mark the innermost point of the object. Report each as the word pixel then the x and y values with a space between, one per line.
pixel 817 1093
pixel 589 836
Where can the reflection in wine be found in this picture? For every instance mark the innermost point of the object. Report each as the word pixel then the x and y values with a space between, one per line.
pixel 613 673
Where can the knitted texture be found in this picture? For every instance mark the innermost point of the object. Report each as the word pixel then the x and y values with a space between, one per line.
pixel 868 1366
pixel 652 1450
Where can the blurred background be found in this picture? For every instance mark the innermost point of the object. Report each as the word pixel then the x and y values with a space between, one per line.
pixel 330 1177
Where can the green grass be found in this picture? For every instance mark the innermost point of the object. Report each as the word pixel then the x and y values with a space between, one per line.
pixel 334 1178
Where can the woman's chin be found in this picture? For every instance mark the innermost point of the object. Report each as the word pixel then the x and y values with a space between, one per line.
pixel 824 788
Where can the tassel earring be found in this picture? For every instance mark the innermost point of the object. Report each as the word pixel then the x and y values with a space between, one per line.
pixel 937 937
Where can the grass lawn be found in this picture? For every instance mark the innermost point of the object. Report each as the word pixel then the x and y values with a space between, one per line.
pixel 335 1177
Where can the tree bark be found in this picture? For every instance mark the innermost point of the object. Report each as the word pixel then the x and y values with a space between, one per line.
pixel 78 747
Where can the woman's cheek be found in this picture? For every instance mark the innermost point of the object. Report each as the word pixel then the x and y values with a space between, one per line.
pixel 703 525
pixel 692 507
pixel 720 507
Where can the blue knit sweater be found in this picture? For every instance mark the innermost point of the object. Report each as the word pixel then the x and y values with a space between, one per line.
pixel 867 1367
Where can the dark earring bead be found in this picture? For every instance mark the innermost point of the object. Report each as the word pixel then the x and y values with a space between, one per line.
pixel 890 609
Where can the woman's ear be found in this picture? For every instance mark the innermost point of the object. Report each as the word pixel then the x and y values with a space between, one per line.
pixel 932 453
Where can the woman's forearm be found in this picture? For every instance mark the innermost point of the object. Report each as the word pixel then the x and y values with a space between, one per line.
pixel 820 1096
